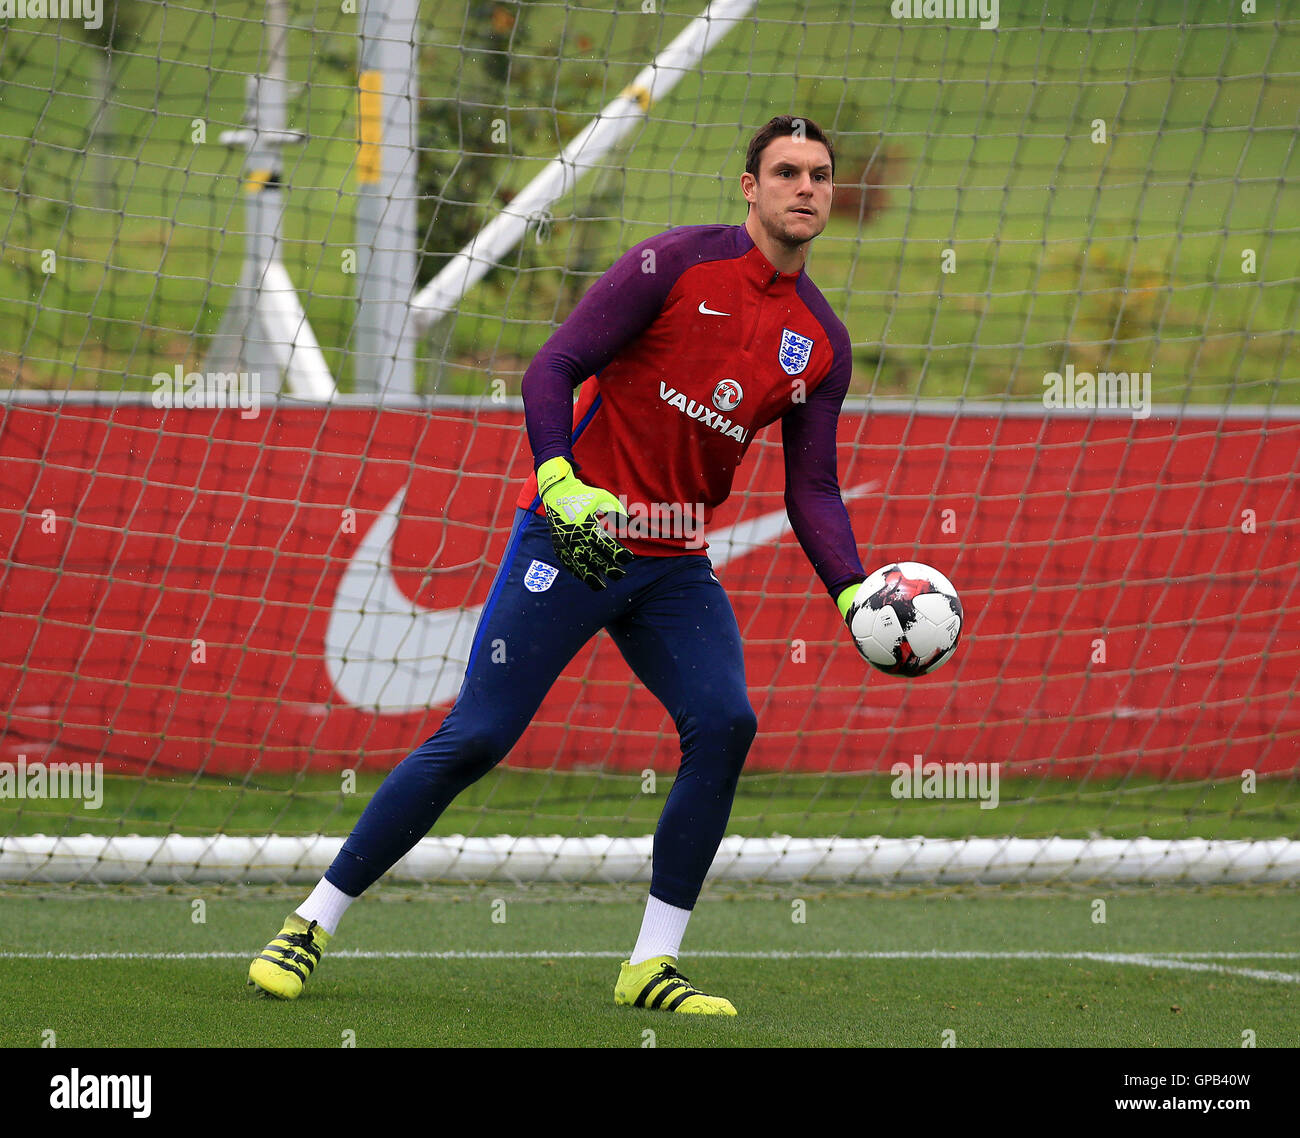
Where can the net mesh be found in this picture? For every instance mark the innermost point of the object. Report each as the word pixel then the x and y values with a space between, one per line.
pixel 1059 245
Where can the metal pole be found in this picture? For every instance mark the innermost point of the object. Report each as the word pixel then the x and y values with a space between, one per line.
pixel 264 331
pixel 384 334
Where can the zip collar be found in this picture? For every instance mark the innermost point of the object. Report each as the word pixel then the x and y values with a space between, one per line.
pixel 758 270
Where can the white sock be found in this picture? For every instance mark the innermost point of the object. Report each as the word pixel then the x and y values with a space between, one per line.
pixel 325 906
pixel 661 931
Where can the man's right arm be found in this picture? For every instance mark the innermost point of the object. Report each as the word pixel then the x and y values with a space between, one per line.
pixel 621 305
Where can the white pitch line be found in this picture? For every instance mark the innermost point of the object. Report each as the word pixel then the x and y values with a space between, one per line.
pixel 1179 961
pixel 1205 966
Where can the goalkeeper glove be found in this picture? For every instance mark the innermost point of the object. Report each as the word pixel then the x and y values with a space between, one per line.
pixel 582 546
pixel 844 602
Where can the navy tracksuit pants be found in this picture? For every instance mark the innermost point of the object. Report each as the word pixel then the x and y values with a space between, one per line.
pixel 675 627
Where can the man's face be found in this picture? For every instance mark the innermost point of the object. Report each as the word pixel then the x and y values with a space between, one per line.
pixel 792 194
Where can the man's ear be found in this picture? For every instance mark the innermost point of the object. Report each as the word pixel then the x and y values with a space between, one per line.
pixel 747 184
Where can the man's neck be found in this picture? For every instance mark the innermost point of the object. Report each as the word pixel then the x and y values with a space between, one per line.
pixel 784 258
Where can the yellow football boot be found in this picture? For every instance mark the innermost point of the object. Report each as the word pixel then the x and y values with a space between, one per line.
pixel 656 984
pixel 282 967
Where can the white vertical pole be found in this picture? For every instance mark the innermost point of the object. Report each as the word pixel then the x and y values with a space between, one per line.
pixel 384 334
pixel 265 331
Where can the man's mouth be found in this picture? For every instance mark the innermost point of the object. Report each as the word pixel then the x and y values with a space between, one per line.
pixel 803 210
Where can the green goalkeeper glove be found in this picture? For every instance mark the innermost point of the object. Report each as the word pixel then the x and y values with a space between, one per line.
pixel 581 545
pixel 845 600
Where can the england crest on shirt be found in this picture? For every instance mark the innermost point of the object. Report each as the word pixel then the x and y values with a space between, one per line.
pixel 794 352
pixel 540 577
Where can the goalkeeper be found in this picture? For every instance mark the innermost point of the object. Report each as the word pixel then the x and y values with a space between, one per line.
pixel 689 345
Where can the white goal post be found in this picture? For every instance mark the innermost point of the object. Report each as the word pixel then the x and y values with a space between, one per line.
pixel 602 860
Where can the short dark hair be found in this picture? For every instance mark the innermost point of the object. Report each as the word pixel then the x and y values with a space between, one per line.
pixel 784 126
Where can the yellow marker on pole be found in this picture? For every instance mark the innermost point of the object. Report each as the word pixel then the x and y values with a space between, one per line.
pixel 641 94
pixel 256 181
pixel 370 126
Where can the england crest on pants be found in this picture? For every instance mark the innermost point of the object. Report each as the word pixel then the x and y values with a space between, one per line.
pixel 794 352
pixel 540 577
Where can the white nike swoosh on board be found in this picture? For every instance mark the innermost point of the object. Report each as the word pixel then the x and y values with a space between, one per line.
pixel 387 654
pixel 711 311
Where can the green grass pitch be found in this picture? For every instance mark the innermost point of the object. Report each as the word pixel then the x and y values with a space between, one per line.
pixel 977 969
pixel 514 800
pixel 1171 967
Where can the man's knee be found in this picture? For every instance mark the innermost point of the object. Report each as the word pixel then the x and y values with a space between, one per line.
pixel 723 734
pixel 465 751
pixel 741 724
pixel 484 746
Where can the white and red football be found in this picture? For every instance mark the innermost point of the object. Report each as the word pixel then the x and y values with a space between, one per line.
pixel 906 619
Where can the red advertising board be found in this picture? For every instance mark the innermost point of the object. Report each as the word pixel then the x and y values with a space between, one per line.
pixel 190 589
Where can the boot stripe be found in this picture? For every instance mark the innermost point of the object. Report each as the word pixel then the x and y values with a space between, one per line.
pixel 686 995
pixel 286 945
pixel 640 1000
pixel 667 990
pixel 651 987
pixel 300 973
pixel 298 957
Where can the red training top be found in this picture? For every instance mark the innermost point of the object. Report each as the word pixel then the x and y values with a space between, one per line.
pixel 686 348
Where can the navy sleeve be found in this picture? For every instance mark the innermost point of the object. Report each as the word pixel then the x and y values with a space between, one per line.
pixel 812 486
pixel 621 305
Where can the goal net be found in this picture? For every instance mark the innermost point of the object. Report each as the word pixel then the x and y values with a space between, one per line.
pixel 272 273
